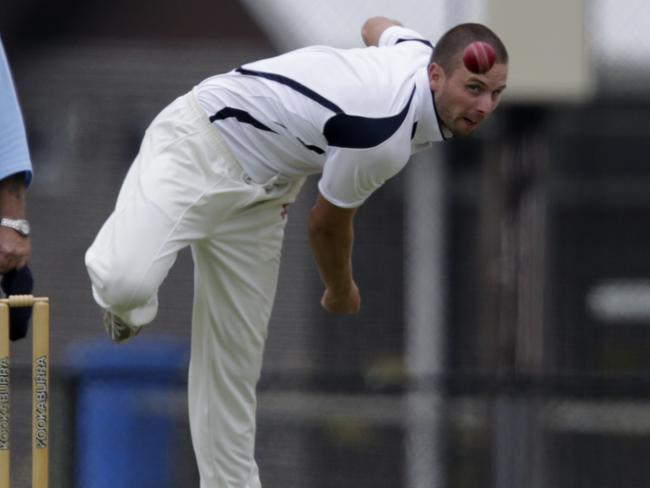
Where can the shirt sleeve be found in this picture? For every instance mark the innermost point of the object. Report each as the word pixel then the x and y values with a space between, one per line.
pixel 14 152
pixel 397 34
pixel 350 176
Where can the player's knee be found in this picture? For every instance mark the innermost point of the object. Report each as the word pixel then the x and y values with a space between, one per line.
pixel 118 286
pixel 123 292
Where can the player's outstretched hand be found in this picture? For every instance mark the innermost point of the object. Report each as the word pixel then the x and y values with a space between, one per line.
pixel 14 250
pixel 344 302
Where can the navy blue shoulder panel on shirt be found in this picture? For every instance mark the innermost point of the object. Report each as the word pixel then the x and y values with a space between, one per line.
pixel 423 41
pixel 352 131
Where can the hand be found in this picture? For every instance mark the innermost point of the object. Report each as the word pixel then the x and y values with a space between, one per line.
pixel 14 250
pixel 374 27
pixel 344 302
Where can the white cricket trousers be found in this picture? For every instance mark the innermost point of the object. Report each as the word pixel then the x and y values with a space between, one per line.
pixel 186 189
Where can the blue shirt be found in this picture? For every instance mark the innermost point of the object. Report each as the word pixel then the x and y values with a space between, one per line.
pixel 14 153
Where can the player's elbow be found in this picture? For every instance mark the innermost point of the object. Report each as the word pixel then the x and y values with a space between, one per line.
pixel 326 218
pixel 317 227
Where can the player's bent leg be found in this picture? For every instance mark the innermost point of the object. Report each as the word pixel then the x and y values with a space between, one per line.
pixel 137 245
pixel 128 261
pixel 125 265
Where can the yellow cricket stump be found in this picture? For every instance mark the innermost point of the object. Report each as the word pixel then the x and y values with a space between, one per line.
pixel 40 388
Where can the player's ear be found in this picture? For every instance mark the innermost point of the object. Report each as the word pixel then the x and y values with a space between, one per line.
pixel 436 76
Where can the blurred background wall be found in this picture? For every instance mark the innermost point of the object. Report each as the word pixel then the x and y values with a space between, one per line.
pixel 504 336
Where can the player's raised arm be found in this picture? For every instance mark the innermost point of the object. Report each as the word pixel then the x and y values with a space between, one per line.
pixel 373 28
pixel 331 236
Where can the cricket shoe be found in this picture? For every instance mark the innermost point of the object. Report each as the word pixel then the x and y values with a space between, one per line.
pixel 118 330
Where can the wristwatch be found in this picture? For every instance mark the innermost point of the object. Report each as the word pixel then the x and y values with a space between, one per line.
pixel 19 225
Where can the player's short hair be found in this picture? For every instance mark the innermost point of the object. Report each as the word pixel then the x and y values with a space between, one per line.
pixel 448 52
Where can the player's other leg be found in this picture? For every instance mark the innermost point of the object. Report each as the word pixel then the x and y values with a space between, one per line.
pixel 236 273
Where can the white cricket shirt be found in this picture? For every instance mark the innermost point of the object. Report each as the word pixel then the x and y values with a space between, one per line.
pixel 354 115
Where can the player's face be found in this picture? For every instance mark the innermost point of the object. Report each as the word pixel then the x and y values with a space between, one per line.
pixel 465 99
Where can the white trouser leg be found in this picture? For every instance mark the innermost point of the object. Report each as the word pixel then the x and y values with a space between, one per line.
pixel 129 259
pixel 163 206
pixel 136 246
pixel 236 273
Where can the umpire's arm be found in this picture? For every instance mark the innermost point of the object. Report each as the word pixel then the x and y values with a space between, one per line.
pixel 373 28
pixel 15 248
pixel 331 235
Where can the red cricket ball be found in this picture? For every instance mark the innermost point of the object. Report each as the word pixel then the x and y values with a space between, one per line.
pixel 479 57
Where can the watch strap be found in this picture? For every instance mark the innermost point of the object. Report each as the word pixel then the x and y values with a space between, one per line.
pixel 19 225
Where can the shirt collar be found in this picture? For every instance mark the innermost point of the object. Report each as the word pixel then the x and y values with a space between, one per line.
pixel 429 128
